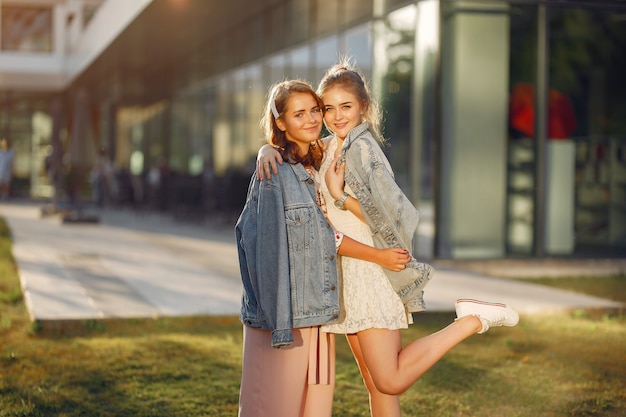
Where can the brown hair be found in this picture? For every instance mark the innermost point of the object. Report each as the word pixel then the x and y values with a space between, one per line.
pixel 279 96
pixel 348 77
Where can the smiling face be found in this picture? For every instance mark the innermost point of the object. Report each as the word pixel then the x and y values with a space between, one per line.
pixel 343 111
pixel 301 121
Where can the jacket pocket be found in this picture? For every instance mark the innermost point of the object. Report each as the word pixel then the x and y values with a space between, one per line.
pixel 307 281
pixel 300 221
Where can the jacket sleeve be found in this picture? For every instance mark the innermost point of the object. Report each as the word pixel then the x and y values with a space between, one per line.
pixel 386 195
pixel 390 215
pixel 273 262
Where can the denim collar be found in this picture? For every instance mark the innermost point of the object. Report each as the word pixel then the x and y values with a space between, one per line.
pixel 354 134
pixel 301 173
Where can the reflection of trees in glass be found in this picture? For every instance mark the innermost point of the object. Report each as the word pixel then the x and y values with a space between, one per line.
pixel 587 63
pixel 586 58
pixel 396 90
pixel 523 44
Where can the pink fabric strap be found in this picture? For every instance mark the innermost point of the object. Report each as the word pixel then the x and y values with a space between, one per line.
pixel 319 353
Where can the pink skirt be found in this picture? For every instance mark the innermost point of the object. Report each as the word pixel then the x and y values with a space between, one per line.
pixel 294 381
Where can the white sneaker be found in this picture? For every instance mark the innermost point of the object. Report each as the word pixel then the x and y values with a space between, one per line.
pixel 489 314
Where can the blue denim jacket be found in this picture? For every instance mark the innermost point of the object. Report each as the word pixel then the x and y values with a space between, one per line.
pixel 389 213
pixel 287 256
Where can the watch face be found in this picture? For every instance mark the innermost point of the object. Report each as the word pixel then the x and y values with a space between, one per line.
pixel 341 203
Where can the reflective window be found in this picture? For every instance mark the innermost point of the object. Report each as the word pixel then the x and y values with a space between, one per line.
pixel 521 147
pixel 239 117
pixel 276 68
pixel 585 131
pixel 586 122
pixel 425 99
pixel 223 127
pixel 325 56
pixel 255 98
pixel 179 143
pixel 396 87
pixel 358 46
pixel 300 59
pixel 26 29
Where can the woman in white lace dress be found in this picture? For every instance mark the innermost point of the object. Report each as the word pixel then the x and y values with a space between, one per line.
pixel 374 311
pixel 369 302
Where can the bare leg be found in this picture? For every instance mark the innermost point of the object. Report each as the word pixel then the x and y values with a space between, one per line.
pixel 393 369
pixel 381 405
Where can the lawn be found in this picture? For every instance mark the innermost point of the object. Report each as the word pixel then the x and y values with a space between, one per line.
pixel 560 365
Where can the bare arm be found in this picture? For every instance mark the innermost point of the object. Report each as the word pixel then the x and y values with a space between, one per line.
pixel 266 162
pixel 394 259
pixel 335 183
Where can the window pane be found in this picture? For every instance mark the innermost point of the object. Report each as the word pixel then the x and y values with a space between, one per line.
pixel 300 62
pixel 27 29
pixel 325 55
pixel 587 111
pixel 276 68
pixel 358 46
pixel 396 88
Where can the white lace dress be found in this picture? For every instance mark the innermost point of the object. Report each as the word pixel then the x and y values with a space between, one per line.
pixel 368 299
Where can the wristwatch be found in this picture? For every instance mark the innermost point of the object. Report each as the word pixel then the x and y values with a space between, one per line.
pixel 341 203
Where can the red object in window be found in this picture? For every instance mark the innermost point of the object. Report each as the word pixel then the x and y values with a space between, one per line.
pixel 561 118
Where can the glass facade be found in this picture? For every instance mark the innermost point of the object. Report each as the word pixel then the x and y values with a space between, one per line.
pixel 587 114
pixel 26 121
pixel 504 119
pixel 583 135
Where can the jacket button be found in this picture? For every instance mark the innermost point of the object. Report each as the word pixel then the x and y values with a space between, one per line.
pixel 332 257
pixel 332 287
pixel 310 181
pixel 335 316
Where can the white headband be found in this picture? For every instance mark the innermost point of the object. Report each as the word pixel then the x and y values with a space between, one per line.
pixel 273 107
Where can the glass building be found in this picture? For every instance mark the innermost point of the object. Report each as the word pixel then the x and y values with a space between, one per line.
pixel 506 120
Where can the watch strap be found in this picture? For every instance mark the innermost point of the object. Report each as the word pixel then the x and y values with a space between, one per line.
pixel 341 202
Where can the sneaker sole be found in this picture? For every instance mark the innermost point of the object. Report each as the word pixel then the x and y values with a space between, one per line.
pixel 485 303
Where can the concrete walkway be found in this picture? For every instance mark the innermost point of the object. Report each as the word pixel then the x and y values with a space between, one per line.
pixel 134 264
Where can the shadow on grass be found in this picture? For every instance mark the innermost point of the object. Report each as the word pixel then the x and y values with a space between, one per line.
pixel 166 375
pixel 198 325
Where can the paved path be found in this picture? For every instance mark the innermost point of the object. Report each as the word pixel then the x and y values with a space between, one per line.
pixel 133 264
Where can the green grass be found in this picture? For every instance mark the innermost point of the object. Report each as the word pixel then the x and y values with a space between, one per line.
pixel 569 365
pixel 611 288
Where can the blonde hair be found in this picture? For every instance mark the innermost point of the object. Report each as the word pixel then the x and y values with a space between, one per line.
pixel 347 76
pixel 279 96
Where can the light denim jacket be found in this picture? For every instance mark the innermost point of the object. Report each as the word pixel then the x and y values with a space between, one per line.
pixel 390 215
pixel 287 256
